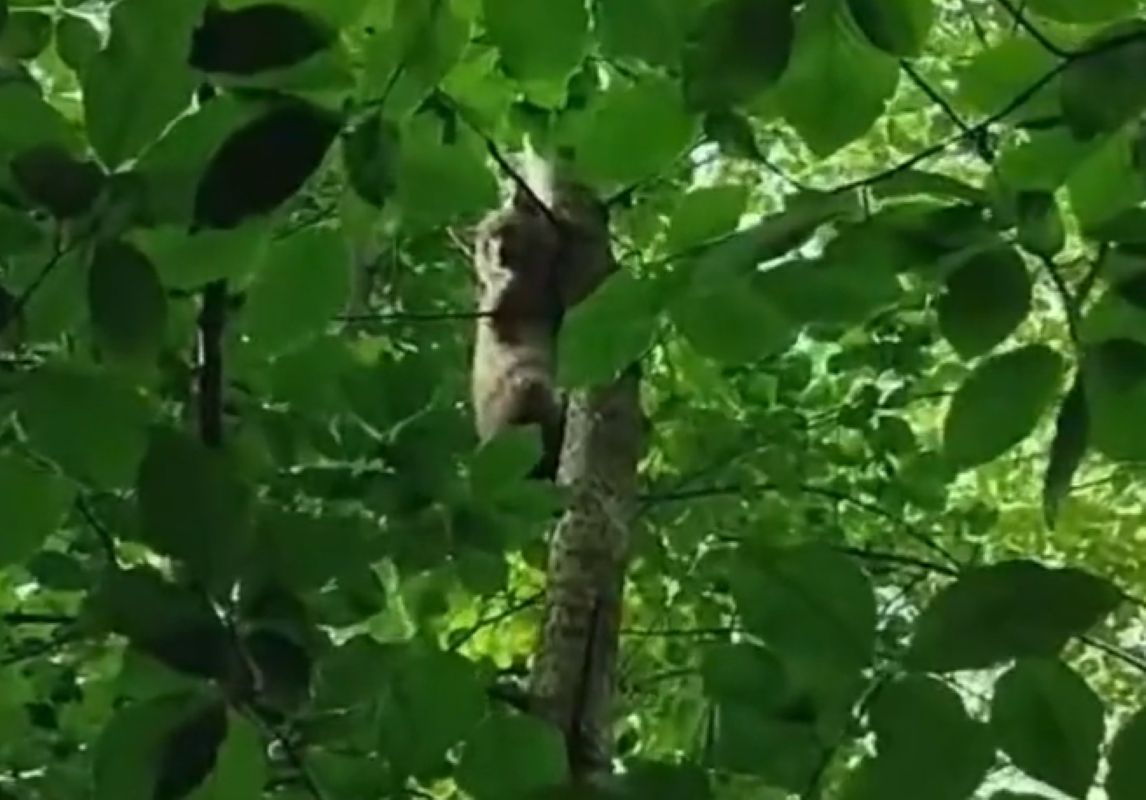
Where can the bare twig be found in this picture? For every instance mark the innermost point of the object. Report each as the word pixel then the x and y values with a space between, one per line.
pixel 1021 22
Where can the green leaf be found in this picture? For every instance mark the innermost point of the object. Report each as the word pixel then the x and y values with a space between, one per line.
pixel 998 74
pixel 536 750
pixel 370 154
pixel 1098 185
pixel 608 331
pixel 303 552
pixel 615 151
pixel 127 303
pixel 303 285
pixel 1040 224
pixel 1071 440
pixel 52 178
pixel 35 504
pixel 733 133
pixel 1000 403
pixel 256 38
pixel 745 675
pixel 810 604
pixel 732 322
pixel 194 506
pixel 240 771
pixel 1014 609
pixel 984 301
pixel 264 163
pixel 101 446
pixel 705 215
pixel 127 756
pixel 40 123
pixel 899 27
pixel 191 261
pixel 1050 723
pixel 538 41
pixel 1088 12
pixel 837 85
pixel 190 750
pixel 1101 92
pixel 433 700
pixel 141 81
pixel 1127 777
pixel 738 49
pixel 504 460
pixel 25 35
pixel 440 183
pixel 1114 373
pixel 924 737
pixel 652 31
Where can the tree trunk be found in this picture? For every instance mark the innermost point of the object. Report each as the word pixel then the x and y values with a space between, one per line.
pixel 573 674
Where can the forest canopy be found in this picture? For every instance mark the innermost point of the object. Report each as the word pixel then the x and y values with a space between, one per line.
pixel 879 267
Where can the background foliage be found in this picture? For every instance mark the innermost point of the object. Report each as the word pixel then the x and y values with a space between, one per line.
pixel 883 262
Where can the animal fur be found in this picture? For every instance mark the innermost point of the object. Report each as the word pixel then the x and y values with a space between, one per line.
pixel 531 266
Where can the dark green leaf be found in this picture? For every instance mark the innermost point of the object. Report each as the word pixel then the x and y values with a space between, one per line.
pixel 746 675
pixel 34 502
pixel 924 737
pixel 189 752
pixel 441 182
pixel 1068 449
pixel 370 153
pixel 52 178
pixel 1090 11
pixel 608 331
pixel 194 505
pixel 433 701
pixel 127 756
pixel 1102 91
pixel 536 750
pixel 733 132
pixel 985 300
pixel 1010 610
pixel 302 286
pixel 172 624
pixel 40 123
pixel 1040 223
pixel 25 35
pixel 614 151
pixel 544 41
pixel 256 38
pixel 105 443
pixel 1050 723
pixel 127 304
pixel 665 781
pixel 77 41
pixel 810 604
pixel 837 84
pixel 739 49
pixel 997 74
pixel 1115 378
pixel 1000 403
pixel 1127 777
pixel 264 163
pixel 140 82
pixel 240 771
pixel 898 26
pixel 191 261
pixel 283 666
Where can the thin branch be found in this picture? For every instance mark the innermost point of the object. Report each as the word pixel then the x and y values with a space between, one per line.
pixel 1066 297
pixel 106 540
pixel 1021 22
pixel 16 310
pixel 1115 652
pixel 820 491
pixel 212 321
pixel 683 633
pixel 414 316
pixel 487 622
pixel 897 560
pixel 976 23
pixel 502 162
pixel 948 109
